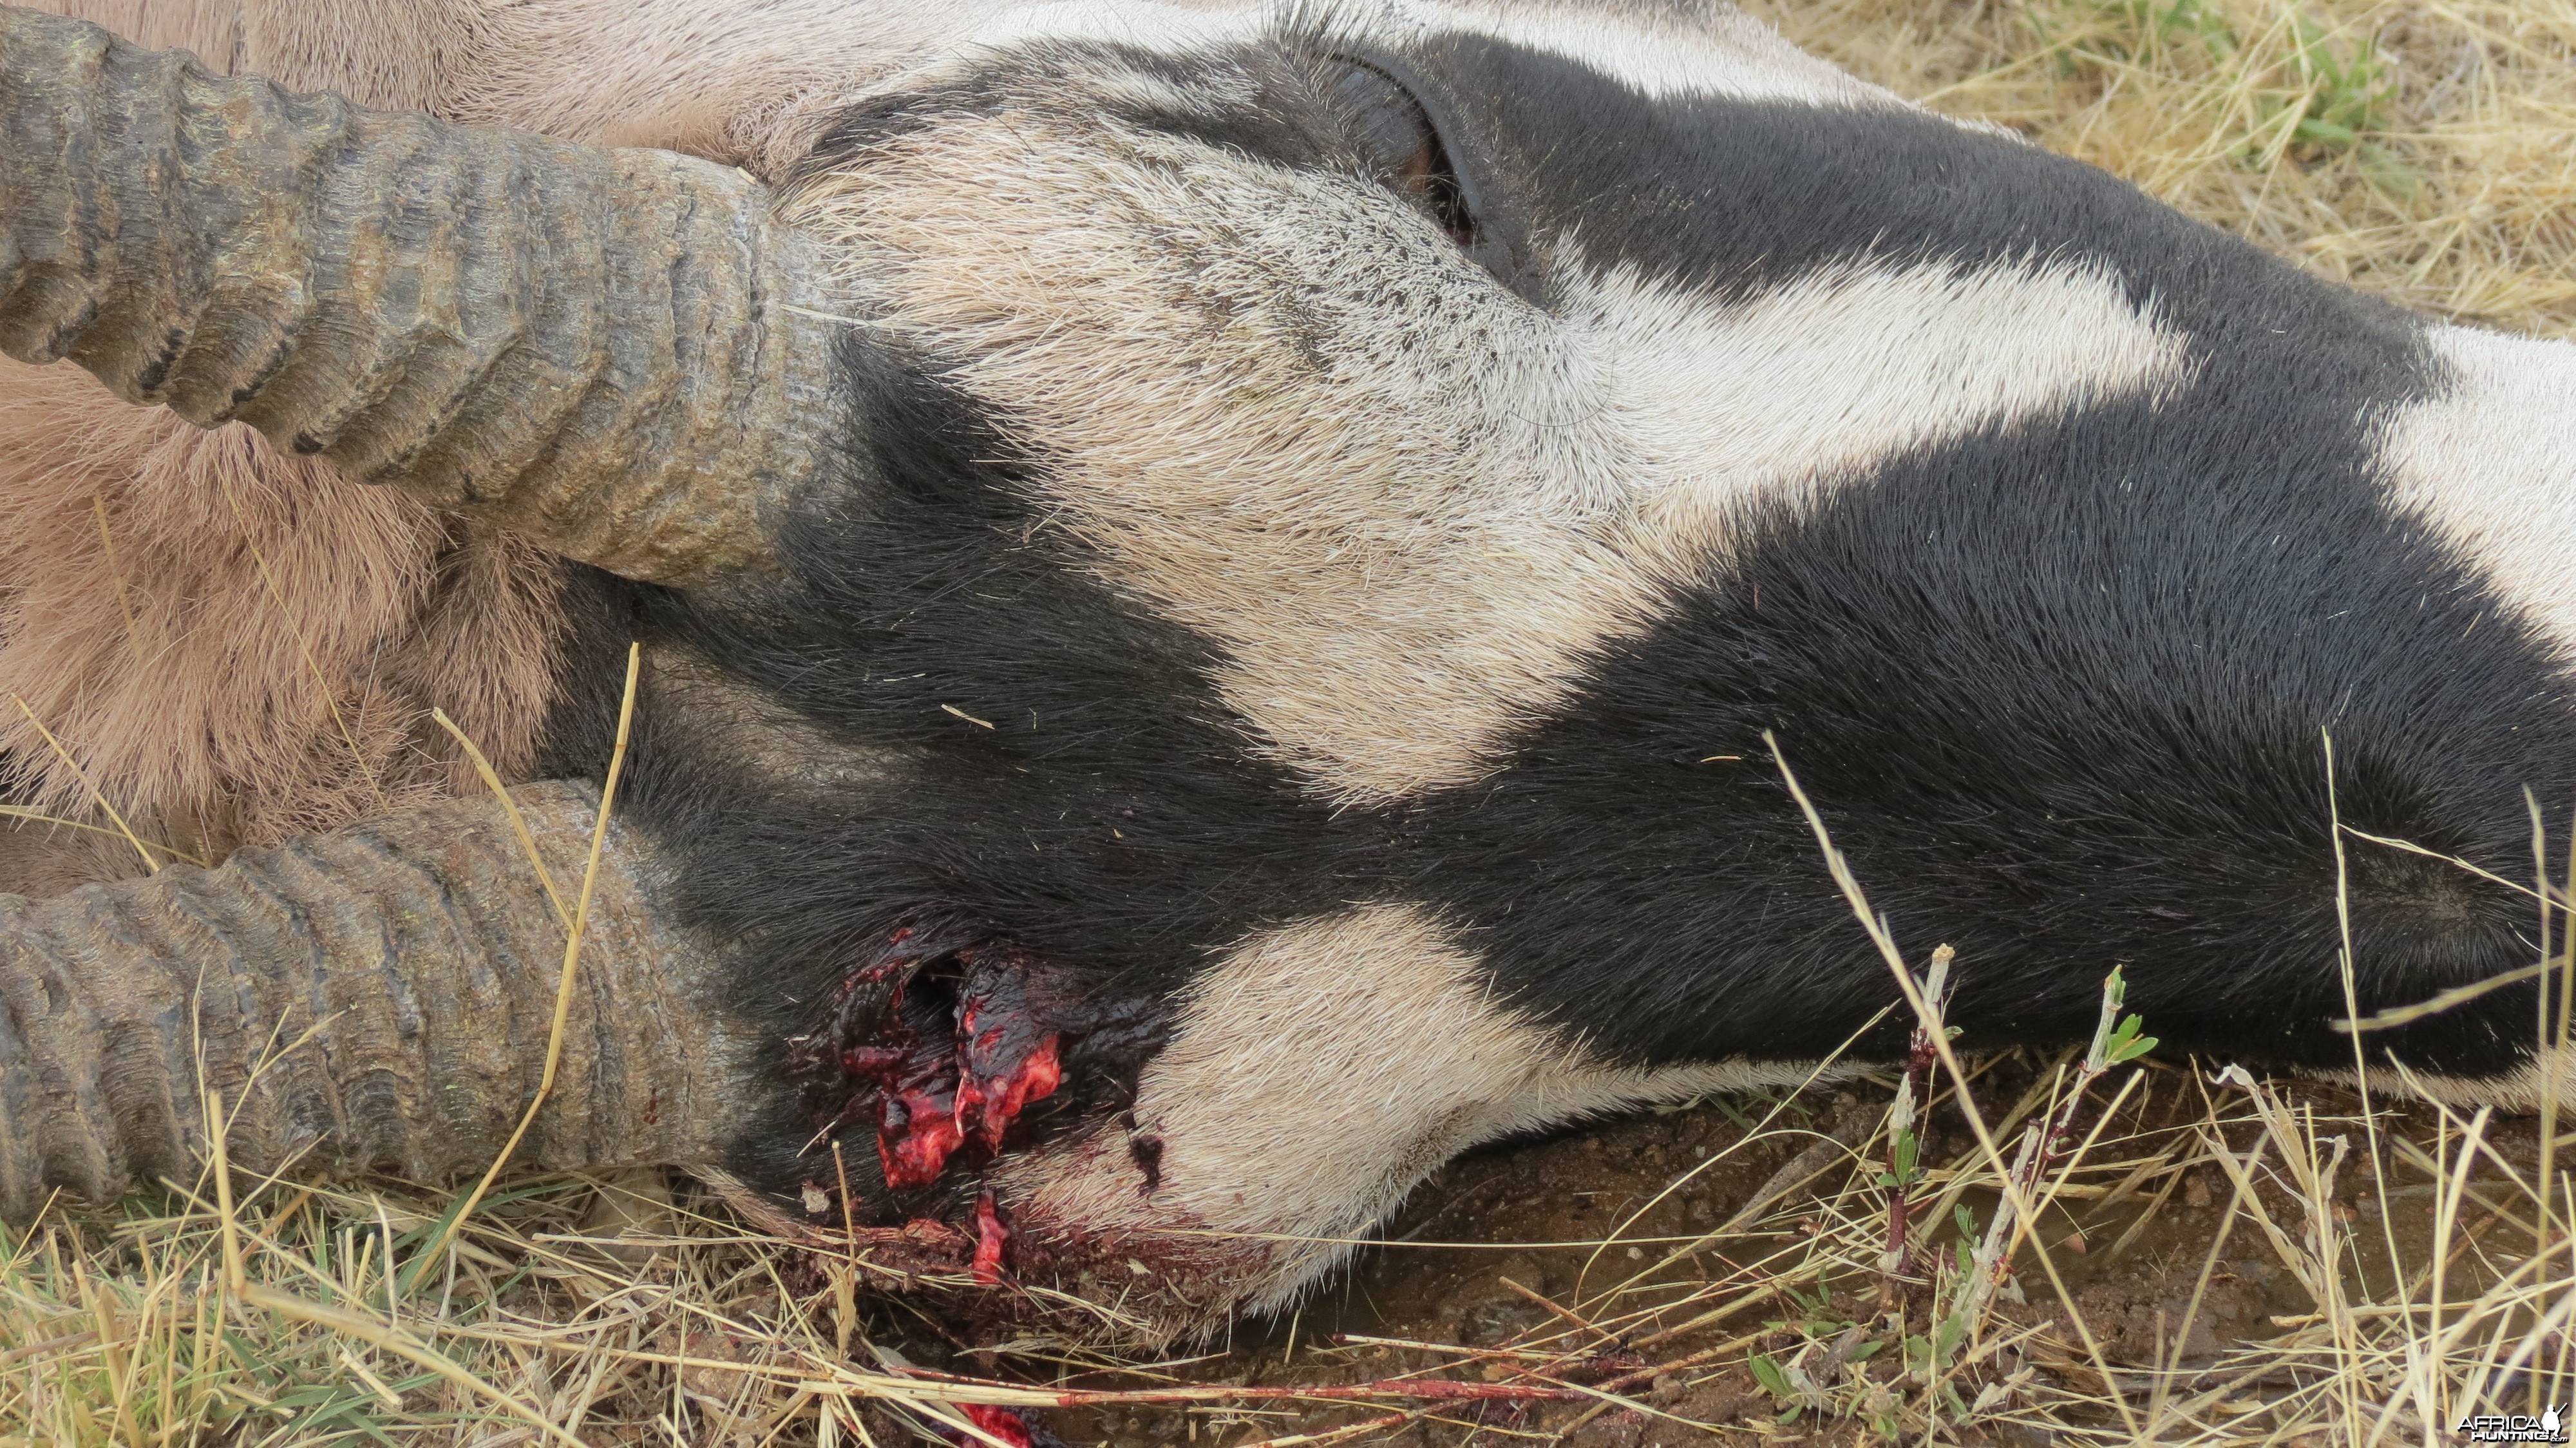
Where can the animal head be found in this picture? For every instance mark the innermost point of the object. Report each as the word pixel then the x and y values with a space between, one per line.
pixel 1225 592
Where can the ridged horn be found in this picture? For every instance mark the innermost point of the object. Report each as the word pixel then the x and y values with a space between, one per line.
pixel 612 352
pixel 378 998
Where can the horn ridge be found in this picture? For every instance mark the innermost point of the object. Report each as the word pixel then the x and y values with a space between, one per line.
pixel 614 352
pixel 378 998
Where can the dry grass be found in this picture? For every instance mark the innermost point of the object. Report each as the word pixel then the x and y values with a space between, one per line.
pixel 2422 151
pixel 2426 152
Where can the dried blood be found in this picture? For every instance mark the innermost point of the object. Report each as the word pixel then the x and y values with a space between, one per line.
pixel 1146 1150
pixel 991 1237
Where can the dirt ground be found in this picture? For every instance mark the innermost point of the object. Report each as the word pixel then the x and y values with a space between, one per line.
pixel 1500 1261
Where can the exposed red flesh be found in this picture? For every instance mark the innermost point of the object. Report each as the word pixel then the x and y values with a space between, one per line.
pixel 991 1238
pixel 916 1083
pixel 915 1139
pixel 939 1089
pixel 1002 1423
pixel 992 1090
pixel 942 1039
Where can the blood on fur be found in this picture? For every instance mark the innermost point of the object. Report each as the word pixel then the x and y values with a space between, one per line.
pixel 991 1240
pixel 946 1038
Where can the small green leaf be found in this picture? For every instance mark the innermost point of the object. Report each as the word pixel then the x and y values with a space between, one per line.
pixel 1773 1381
pixel 1862 1353
pixel 1965 1219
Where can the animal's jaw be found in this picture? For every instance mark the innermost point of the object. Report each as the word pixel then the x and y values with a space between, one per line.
pixel 1173 1163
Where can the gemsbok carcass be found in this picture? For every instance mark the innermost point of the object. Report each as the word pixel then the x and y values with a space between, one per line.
pixel 1213 586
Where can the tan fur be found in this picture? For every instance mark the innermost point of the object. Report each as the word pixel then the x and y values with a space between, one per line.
pixel 747 81
pixel 1363 1046
pixel 209 29
pixel 233 646
pixel 2526 1089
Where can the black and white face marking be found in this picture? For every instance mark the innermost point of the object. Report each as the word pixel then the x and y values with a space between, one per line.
pixel 1219 315
pixel 1350 623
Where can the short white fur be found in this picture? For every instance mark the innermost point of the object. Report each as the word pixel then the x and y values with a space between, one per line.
pixel 1408 504
pixel 1366 1047
pixel 2489 462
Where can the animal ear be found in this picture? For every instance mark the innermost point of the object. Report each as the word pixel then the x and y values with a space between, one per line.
pixel 619 354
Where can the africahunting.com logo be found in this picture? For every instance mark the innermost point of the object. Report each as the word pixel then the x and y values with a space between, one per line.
pixel 2548 1427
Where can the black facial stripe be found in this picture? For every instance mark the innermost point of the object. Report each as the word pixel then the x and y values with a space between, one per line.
pixel 1108 816
pixel 2061 691
pixel 860 128
pixel 1728 196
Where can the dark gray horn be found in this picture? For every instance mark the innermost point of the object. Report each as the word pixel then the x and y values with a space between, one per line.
pixel 378 998
pixel 617 353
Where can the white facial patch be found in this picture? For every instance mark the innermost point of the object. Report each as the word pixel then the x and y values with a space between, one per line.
pixel 1410 507
pixel 2490 464
pixel 1366 1048
pixel 1283 411
pixel 1775 397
